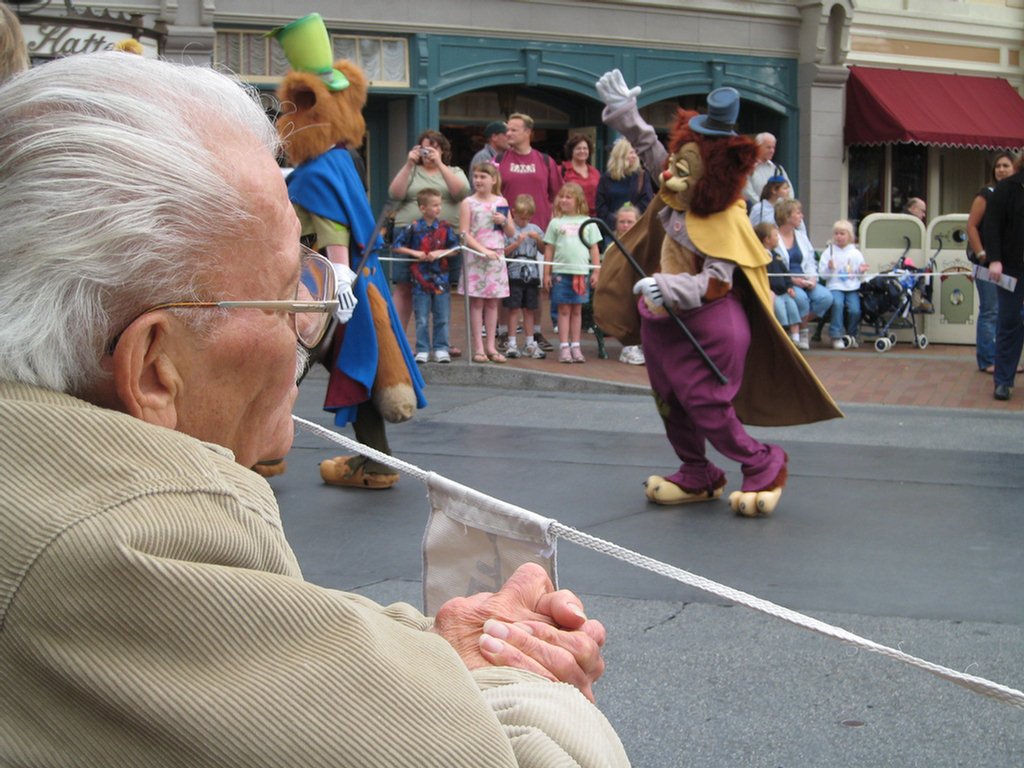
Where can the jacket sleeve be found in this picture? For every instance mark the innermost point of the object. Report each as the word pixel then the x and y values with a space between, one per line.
pixel 602 203
pixel 684 291
pixel 550 725
pixel 994 222
pixel 627 121
pixel 809 265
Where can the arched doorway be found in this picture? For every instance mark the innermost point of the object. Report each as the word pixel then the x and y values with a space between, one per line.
pixel 556 114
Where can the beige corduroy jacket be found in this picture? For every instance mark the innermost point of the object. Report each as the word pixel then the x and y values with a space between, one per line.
pixel 153 614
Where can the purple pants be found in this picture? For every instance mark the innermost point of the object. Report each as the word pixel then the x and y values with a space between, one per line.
pixel 696 407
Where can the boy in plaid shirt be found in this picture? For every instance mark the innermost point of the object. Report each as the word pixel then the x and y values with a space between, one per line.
pixel 429 241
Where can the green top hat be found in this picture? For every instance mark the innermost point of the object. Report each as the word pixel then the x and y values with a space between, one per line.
pixel 308 48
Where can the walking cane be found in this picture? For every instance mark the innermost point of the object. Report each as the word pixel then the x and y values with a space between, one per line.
pixel 606 230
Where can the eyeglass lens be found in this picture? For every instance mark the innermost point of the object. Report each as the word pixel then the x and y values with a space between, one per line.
pixel 317 283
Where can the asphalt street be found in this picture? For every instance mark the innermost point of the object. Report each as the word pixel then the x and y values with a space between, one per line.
pixel 903 525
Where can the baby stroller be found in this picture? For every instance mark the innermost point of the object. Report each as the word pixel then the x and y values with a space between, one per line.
pixel 889 301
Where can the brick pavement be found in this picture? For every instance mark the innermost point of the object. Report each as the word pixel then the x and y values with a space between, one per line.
pixel 942 375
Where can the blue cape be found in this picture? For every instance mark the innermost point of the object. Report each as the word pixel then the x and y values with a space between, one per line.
pixel 330 186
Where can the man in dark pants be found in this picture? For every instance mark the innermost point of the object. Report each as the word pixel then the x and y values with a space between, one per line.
pixel 1003 235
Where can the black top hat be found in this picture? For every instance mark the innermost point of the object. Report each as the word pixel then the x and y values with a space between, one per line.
pixel 723 109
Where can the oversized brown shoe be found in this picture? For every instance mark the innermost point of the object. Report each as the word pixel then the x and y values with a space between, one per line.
pixel 348 472
pixel 270 468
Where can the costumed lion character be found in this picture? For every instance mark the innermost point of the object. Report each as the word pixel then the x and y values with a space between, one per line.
pixel 709 268
pixel 373 374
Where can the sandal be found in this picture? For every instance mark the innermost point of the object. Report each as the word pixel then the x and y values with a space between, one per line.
pixel 479 357
pixel 496 357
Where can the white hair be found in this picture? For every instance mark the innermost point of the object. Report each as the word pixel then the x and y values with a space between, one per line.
pixel 114 197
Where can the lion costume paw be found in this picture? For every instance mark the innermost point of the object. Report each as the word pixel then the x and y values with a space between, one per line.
pixel 662 491
pixel 754 503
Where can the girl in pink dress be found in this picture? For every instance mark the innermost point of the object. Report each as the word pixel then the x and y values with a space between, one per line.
pixel 484 218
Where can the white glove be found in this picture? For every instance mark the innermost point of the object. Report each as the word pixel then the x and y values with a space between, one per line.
pixel 346 299
pixel 614 92
pixel 648 286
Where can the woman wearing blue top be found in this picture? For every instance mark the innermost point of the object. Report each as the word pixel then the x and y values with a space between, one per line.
pixel 812 298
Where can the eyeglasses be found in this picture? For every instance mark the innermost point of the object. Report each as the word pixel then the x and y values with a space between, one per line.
pixel 316 299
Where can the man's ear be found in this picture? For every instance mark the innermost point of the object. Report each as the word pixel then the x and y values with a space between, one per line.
pixel 146 379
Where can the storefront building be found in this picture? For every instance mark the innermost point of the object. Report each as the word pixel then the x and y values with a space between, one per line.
pixel 459 65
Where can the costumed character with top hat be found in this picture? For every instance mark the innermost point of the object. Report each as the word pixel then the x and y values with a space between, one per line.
pixel 711 270
pixel 373 374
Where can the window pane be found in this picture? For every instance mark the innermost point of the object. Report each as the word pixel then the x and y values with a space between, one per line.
pixel 256 50
pixel 229 51
pixel 867 179
pixel 345 48
pixel 369 58
pixel 394 69
pixel 278 61
pixel 909 173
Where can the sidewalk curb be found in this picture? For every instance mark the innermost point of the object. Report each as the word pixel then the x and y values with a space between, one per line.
pixel 466 374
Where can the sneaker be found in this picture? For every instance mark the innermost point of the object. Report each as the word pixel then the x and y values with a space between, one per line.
pixel 422 357
pixel 564 355
pixel 442 356
pixel 805 339
pixel 632 356
pixel 838 344
pixel 577 355
pixel 511 349
pixel 853 342
pixel 543 343
pixel 533 350
pixel 501 342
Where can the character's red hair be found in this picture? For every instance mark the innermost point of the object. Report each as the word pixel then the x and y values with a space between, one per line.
pixel 728 161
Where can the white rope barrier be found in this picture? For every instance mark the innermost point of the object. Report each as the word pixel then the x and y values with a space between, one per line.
pixel 980 685
pixel 901 273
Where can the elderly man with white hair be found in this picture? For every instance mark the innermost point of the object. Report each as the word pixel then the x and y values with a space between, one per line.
pixel 764 169
pixel 155 305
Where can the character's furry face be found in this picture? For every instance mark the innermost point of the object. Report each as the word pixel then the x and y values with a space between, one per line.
pixel 685 168
pixel 313 118
pixel 705 174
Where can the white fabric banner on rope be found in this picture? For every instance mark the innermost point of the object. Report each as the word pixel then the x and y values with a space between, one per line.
pixel 474 542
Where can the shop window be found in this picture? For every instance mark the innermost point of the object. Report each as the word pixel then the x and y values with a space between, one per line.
pixel 385 60
pixel 883 178
pixel 258 59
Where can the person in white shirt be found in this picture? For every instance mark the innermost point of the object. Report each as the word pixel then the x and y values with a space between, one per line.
pixel 842 265
pixel 764 169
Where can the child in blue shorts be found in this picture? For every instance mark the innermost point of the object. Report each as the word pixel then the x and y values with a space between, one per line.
pixel 567 264
pixel 521 251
